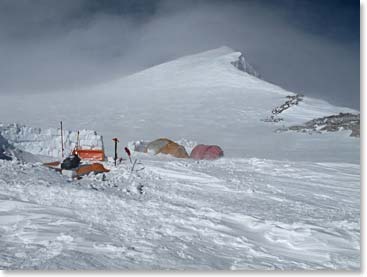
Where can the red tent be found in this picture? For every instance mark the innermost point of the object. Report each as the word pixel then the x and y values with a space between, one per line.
pixel 206 152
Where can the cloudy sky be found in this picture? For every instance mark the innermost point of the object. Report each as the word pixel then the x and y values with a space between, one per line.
pixel 305 46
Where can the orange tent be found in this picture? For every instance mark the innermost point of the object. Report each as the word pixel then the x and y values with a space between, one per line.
pixel 166 146
pixel 90 154
pixel 88 168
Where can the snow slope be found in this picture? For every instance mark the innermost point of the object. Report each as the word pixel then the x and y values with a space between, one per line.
pixel 275 201
pixel 202 98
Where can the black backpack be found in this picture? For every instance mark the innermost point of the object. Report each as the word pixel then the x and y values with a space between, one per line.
pixel 70 162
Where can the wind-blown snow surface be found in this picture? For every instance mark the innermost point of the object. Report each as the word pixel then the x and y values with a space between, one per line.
pixel 277 200
pixel 227 214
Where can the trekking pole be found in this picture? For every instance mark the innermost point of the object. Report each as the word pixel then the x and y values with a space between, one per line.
pixel 62 142
pixel 116 141
pixel 128 154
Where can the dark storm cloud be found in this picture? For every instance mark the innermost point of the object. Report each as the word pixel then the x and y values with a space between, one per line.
pixel 305 46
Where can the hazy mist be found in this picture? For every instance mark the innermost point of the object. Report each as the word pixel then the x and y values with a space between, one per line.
pixel 311 47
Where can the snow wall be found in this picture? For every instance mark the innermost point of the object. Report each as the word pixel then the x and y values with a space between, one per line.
pixel 47 142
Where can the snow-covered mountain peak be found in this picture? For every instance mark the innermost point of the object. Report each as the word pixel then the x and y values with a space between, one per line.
pixel 202 98
pixel 220 67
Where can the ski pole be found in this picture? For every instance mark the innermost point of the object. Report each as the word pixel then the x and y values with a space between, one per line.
pixel 116 141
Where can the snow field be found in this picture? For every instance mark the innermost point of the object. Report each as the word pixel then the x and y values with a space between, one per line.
pixel 228 214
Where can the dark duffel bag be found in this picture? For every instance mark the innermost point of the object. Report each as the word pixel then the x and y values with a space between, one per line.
pixel 70 162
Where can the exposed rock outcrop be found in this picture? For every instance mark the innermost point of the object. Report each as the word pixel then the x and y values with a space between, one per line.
pixel 332 123
pixel 8 152
pixel 4 149
pixel 293 100
pixel 244 66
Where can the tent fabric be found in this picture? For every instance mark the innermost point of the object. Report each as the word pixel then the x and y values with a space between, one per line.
pixel 88 168
pixel 52 164
pixel 90 154
pixel 206 152
pixel 168 147
pixel 175 150
pixel 155 146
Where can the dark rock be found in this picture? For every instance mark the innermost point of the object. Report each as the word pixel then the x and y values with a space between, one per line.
pixel 244 66
pixel 292 101
pixel 332 123
pixel 4 149
pixel 273 118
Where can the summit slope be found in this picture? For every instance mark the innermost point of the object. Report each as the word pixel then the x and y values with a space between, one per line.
pixel 202 98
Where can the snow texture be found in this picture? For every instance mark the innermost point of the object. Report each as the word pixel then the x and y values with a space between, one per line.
pixel 47 142
pixel 284 200
pixel 181 214
pixel 9 152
